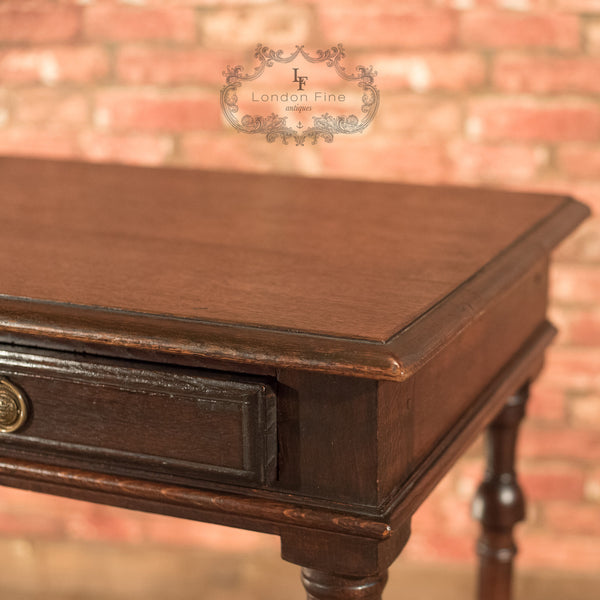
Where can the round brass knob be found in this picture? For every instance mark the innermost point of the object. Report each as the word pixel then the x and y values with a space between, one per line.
pixel 13 406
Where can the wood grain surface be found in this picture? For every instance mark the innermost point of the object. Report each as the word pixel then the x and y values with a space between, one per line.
pixel 266 260
pixel 186 423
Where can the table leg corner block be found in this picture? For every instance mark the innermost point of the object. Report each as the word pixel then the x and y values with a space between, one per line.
pixel 337 566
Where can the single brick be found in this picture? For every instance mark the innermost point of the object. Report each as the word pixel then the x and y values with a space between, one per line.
pixel 518 73
pixel 161 66
pixel 546 480
pixel 4 110
pixel 592 37
pixel 451 71
pixel 275 26
pixel 103 523
pixel 416 116
pixel 584 411
pixel 530 119
pixel 153 111
pixel 36 142
pixel 50 108
pixel 501 163
pixel 579 6
pixel 382 158
pixel 546 403
pixel 559 443
pixel 580 160
pixel 592 486
pixel 177 532
pixel 560 551
pixel 573 368
pixel 512 5
pixel 584 245
pixel 572 518
pixel 446 512
pixel 468 473
pixel 38 525
pixel 575 283
pixel 53 64
pixel 39 22
pixel 493 29
pixel 386 25
pixel 578 326
pixel 247 152
pixel 205 151
pixel 434 547
pixel 127 23
pixel 139 149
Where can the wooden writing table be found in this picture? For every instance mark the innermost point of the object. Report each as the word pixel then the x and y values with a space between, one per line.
pixel 296 356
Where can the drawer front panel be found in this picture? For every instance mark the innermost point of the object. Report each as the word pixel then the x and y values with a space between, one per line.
pixel 182 422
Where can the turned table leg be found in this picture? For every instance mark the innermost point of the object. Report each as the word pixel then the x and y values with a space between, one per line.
pixel 320 585
pixel 340 566
pixel 499 502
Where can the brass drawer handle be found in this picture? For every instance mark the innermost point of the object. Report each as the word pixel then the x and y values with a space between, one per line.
pixel 13 406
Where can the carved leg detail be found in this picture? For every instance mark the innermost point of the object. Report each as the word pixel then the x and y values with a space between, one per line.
pixel 324 586
pixel 499 503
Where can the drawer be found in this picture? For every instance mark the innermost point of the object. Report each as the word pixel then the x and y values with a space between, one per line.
pixel 135 418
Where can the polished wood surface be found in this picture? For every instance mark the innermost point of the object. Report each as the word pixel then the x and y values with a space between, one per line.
pixel 285 263
pixel 88 412
pixel 300 357
pixel 323 586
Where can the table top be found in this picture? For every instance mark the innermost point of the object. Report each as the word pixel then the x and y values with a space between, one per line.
pixel 336 276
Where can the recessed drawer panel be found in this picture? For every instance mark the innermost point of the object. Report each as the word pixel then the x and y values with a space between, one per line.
pixel 181 422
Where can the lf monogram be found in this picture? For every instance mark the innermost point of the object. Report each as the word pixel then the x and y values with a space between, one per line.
pixel 300 80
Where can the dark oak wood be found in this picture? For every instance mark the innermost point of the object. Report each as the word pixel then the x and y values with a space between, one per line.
pixel 324 586
pixel 279 259
pixel 524 367
pixel 450 383
pixel 301 357
pixel 196 424
pixel 499 504
pixel 264 270
pixel 268 514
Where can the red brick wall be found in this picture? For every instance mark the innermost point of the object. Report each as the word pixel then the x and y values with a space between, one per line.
pixel 494 92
